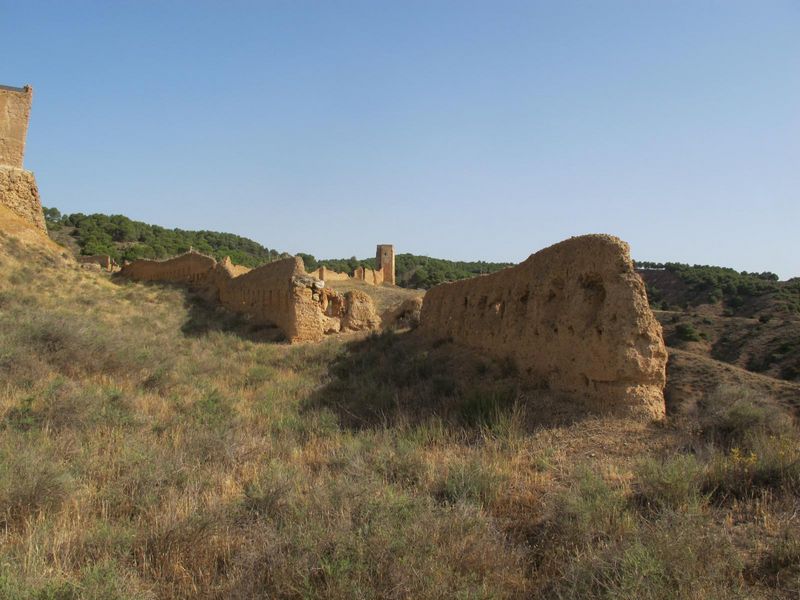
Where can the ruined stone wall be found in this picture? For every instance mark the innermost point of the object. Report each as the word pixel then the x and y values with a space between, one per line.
pixel 190 268
pixel 104 260
pixel 15 112
pixel 280 293
pixel 573 317
pixel 19 193
pixel 368 275
pixel 234 270
pixel 326 274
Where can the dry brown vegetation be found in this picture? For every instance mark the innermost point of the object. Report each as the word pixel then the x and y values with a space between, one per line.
pixel 150 448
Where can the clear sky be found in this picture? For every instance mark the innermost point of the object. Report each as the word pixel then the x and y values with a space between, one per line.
pixel 463 130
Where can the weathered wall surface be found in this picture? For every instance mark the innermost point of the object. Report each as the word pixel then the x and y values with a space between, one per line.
pixel 368 275
pixel 280 293
pixel 19 193
pixel 326 274
pixel 190 268
pixel 359 312
pixel 15 111
pixel 574 317
pixel 234 270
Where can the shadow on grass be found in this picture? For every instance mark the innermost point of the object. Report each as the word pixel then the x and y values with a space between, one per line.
pixel 400 379
pixel 204 317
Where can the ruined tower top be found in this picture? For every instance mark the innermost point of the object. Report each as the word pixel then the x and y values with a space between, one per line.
pixel 15 110
pixel 384 261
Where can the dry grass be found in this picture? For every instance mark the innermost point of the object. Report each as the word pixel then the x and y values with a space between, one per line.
pixel 145 453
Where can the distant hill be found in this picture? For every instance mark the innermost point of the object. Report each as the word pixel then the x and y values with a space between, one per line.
pixel 125 239
pixel 750 320
pixel 678 285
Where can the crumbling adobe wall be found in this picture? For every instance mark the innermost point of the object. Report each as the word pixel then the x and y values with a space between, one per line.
pixel 15 112
pixel 19 193
pixel 326 274
pixel 368 275
pixel 234 270
pixel 574 317
pixel 190 268
pixel 103 260
pixel 280 293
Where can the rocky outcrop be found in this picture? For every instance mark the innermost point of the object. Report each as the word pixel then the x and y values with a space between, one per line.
pixel 573 317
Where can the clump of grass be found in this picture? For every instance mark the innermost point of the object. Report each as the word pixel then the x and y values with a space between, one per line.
pixel 732 415
pixel 767 462
pixel 400 463
pixel 592 508
pixel 597 544
pixel 485 408
pixel 752 445
pixel 779 566
pixel 32 480
pixel 670 483
pixel 468 481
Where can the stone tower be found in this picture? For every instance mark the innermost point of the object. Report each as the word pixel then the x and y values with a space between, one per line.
pixel 15 112
pixel 18 191
pixel 384 261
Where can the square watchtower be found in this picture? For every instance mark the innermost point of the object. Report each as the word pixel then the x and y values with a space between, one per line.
pixel 15 112
pixel 384 261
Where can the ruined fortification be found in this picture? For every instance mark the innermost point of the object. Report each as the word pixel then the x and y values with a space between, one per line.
pixel 384 262
pixel 280 293
pixel 18 191
pixel 15 113
pixel 573 317
pixel 384 271
pixel 104 261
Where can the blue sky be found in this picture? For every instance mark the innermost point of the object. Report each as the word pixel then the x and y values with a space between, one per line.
pixel 463 130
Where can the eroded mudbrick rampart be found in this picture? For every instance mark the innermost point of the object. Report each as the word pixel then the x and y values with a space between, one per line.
pixel 280 293
pixel 574 317
pixel 384 271
pixel 18 190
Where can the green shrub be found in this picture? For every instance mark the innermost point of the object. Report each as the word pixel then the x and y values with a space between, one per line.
pixel 687 332
pixel 671 483
pixel 733 414
pixel 767 462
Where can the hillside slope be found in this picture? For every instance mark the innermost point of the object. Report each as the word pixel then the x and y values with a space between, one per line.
pixel 154 448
